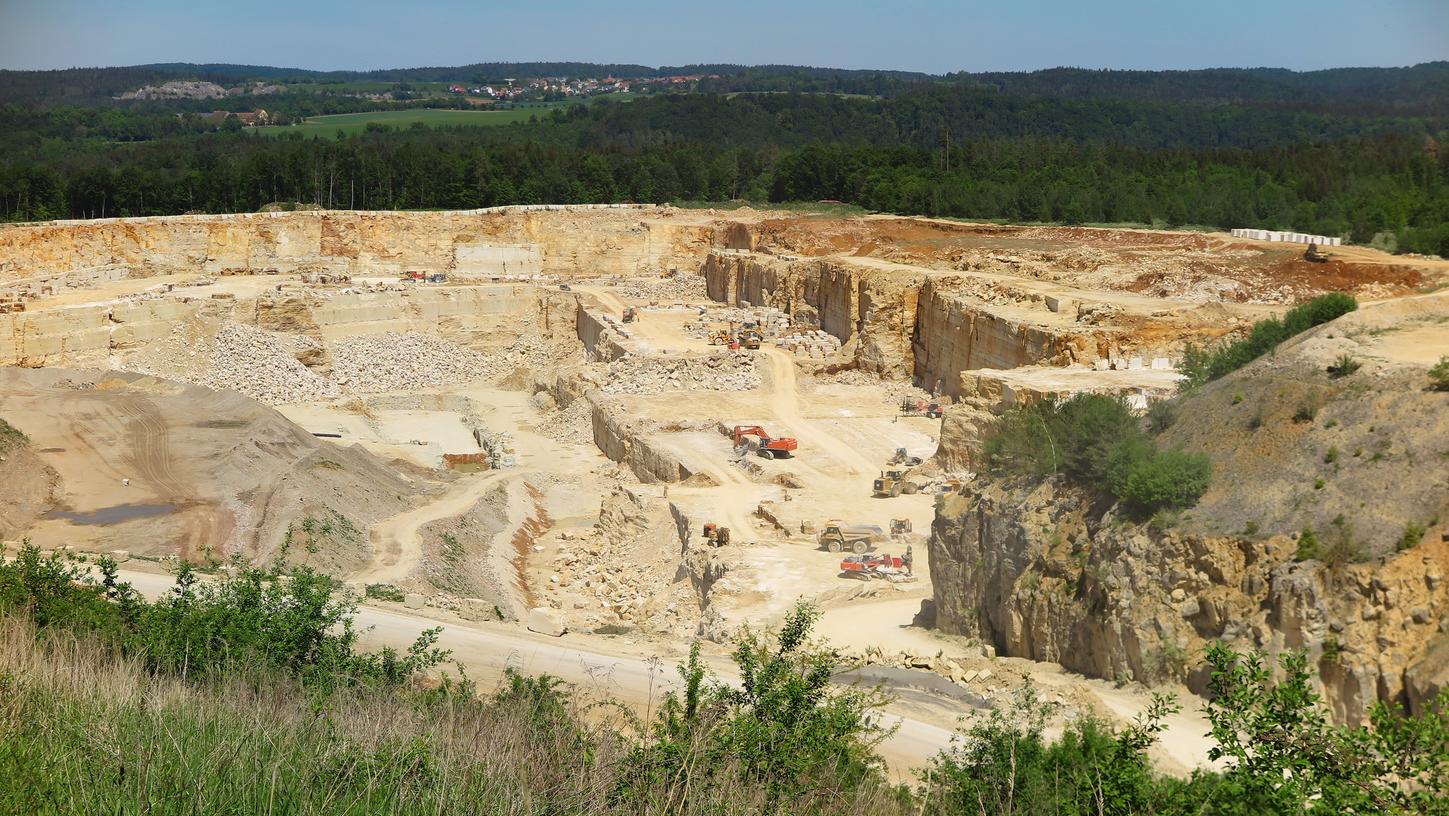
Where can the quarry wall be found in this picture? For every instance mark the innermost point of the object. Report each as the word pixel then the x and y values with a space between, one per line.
pixel 504 241
pixel 1033 573
pixel 900 322
pixel 81 334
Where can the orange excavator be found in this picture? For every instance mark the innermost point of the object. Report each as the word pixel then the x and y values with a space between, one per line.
pixel 770 448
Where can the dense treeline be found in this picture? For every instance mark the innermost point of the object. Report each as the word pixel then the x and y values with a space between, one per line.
pixel 1356 187
pixel 943 151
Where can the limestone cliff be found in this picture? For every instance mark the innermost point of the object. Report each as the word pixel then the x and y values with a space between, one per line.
pixel 1039 573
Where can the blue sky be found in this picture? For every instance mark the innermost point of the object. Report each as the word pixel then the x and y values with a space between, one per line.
pixel 906 34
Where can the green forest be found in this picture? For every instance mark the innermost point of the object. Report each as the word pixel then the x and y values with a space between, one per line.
pixel 1357 153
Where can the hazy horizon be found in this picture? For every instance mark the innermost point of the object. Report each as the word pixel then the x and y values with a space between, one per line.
pixel 912 35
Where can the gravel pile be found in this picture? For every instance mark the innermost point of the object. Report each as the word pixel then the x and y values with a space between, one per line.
pixel 263 365
pixel 683 286
pixel 732 371
pixel 573 425
pixel 402 362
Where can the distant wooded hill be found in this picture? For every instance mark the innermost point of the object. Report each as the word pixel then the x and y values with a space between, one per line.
pixel 1420 90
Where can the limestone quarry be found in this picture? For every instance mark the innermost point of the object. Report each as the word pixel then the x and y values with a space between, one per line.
pixel 540 418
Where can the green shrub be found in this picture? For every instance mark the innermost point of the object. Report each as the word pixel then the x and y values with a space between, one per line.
pixel 1332 455
pixel 1166 479
pixel 11 436
pixel 1344 366
pixel 1161 416
pixel 385 592
pixel 1439 374
pixel 1096 443
pixel 1307 545
pixel 1342 547
pixel 1413 534
pixel 1308 407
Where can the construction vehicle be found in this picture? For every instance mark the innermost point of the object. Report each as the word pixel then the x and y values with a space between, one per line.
pixel 893 483
pixel 437 277
pixel 750 339
pixel 901 457
pixel 769 447
pixel 630 315
pixel 716 536
pixel 900 528
pixel 919 407
pixel 1313 254
pixel 858 538
pixel 867 567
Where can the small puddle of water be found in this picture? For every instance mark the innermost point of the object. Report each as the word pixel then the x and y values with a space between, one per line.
pixel 113 515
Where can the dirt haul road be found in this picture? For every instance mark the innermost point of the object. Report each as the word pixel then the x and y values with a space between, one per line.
pixel 396 548
pixel 486 651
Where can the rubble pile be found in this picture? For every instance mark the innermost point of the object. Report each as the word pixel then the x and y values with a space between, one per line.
pixel 263 365
pixel 619 571
pixel 679 286
pixel 572 425
pixel 401 362
pixel 723 371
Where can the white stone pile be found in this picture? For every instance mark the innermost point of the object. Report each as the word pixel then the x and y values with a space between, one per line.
pixel 727 371
pixel 263 365
pixel 401 362
pixel 771 321
pixel 815 344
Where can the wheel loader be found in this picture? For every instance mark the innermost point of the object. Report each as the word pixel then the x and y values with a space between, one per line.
pixel 893 483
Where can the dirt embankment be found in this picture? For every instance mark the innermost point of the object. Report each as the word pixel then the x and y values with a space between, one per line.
pixel 171 469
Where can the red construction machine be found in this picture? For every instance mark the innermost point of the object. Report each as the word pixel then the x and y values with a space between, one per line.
pixel 769 447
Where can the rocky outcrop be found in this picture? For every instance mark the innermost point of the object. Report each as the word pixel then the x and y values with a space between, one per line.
pixel 955 332
pixel 1040 573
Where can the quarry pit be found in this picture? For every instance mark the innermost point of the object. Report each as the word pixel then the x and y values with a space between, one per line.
pixel 451 412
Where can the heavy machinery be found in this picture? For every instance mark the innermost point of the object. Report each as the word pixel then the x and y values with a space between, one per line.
pixel 1313 254
pixel 893 483
pixel 630 315
pixel 867 567
pixel 901 457
pixel 900 528
pixel 858 538
pixel 919 407
pixel 769 447
pixel 716 536
pixel 750 339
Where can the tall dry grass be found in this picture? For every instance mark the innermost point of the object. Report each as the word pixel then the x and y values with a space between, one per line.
pixel 83 731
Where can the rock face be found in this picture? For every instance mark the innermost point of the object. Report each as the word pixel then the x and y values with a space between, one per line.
pixel 1040 573
pixel 515 241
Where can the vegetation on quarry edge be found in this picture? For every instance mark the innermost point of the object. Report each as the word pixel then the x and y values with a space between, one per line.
pixel 935 150
pixel 249 694
pixel 1100 447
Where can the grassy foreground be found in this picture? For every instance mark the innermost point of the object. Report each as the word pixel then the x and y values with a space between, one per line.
pixel 247 696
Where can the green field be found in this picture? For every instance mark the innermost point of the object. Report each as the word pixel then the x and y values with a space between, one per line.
pixel 350 123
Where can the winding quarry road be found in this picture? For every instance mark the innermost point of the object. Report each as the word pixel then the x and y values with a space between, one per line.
pixel 395 543
pixel 486 649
